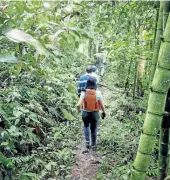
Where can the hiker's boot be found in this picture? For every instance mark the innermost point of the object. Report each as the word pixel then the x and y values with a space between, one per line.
pixel 87 148
pixel 93 150
pixel 88 145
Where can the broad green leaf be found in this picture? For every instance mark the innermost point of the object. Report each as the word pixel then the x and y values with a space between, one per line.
pixel 33 117
pixel 29 174
pixel 71 88
pixel 17 113
pixel 67 115
pixel 49 165
pixel 5 161
pixel 20 36
pixel 58 33
pixel 14 131
pixel 8 58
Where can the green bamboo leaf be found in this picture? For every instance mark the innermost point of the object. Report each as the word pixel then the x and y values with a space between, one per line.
pixel 8 58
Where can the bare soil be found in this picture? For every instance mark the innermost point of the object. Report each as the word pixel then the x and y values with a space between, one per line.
pixel 86 165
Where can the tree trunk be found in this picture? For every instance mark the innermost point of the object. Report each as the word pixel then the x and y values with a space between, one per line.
pixel 141 69
pixel 135 80
pixel 155 110
pixel 157 42
pixel 90 48
pixel 157 15
pixel 127 79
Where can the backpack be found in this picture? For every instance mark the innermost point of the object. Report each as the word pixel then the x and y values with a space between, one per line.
pixel 90 102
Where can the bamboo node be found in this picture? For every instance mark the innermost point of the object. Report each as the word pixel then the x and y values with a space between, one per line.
pixel 149 154
pixel 138 169
pixel 162 67
pixel 157 91
pixel 156 114
pixel 149 134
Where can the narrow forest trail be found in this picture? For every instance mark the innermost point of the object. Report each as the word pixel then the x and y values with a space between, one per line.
pixel 86 165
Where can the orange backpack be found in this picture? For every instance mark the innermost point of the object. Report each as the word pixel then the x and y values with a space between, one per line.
pixel 90 102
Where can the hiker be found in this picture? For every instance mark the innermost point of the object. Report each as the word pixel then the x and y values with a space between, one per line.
pixel 101 65
pixel 91 102
pixel 94 68
pixel 83 80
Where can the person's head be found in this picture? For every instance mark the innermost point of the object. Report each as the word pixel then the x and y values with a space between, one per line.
pixel 94 68
pixel 91 83
pixel 89 69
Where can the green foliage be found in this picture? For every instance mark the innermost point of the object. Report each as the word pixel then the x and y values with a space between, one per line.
pixel 49 44
pixel 8 58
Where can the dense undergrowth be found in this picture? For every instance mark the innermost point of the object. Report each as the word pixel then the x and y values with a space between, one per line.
pixel 39 119
pixel 39 126
pixel 120 132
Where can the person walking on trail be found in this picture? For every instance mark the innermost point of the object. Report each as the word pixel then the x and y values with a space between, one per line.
pixel 101 65
pixel 94 68
pixel 83 80
pixel 91 102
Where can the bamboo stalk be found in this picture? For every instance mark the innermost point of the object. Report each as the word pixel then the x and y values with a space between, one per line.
pixel 155 110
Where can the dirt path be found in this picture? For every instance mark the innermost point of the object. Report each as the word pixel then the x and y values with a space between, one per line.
pixel 86 165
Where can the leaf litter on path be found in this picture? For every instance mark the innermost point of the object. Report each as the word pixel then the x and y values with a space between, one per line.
pixel 86 165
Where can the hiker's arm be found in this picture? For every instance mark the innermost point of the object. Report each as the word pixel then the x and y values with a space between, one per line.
pixel 101 101
pixel 80 103
pixel 102 107
pixel 79 87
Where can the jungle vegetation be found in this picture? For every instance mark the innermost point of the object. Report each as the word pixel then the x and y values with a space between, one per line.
pixel 44 48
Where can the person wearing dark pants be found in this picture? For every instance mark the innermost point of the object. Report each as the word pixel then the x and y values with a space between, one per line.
pixel 90 119
pixel 91 102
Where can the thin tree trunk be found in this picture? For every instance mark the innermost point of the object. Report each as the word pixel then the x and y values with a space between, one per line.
pixel 141 69
pixel 90 48
pixel 157 42
pixel 155 110
pixel 157 15
pixel 135 80
pixel 127 79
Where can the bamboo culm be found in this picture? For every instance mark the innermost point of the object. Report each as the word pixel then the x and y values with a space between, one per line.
pixel 155 109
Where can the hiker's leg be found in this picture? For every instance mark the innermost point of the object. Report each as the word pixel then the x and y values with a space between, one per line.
pixel 85 116
pixel 93 127
pixel 98 128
